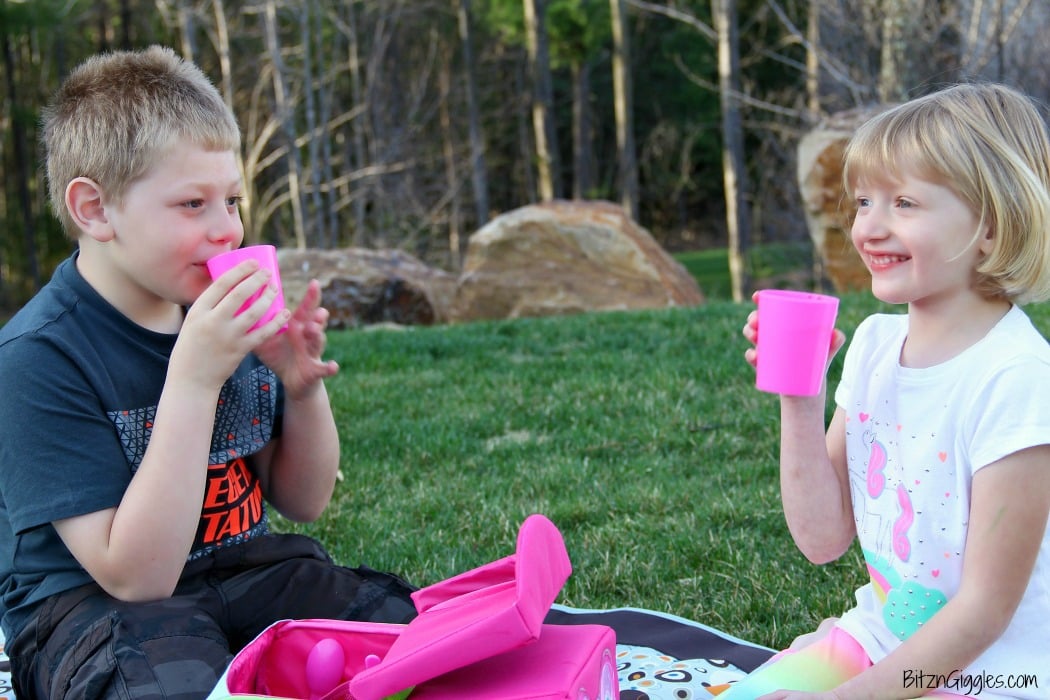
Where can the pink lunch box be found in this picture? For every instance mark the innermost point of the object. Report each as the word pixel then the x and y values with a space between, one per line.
pixel 479 636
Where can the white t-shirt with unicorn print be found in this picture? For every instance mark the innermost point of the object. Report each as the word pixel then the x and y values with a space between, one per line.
pixel 914 440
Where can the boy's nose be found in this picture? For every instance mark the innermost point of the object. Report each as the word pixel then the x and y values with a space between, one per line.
pixel 227 228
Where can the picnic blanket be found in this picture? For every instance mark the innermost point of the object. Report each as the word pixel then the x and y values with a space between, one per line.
pixel 665 657
pixel 659 656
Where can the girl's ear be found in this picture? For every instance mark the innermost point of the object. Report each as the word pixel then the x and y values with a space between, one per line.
pixel 987 240
pixel 84 203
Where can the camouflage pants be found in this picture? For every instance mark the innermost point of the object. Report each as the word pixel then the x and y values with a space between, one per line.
pixel 84 644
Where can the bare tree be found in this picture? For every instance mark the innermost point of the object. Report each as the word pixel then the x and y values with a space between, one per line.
pixel 314 219
pixel 543 100
pixel 21 159
pixel 582 130
pixel 449 152
pixel 358 127
pixel 478 169
pixel 734 172
pixel 285 114
pixel 628 164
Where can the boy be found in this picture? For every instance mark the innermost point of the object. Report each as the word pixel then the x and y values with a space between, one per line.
pixel 142 425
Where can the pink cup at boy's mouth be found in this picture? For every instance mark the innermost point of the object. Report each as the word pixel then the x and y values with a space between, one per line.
pixel 267 257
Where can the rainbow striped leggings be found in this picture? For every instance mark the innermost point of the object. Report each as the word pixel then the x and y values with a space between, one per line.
pixel 823 665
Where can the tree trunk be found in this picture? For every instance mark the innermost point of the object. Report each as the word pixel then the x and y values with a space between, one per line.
pixel 357 141
pixel 893 68
pixel 314 219
pixel 813 108
pixel 542 100
pixel 521 118
pixel 285 116
pixel 328 216
pixel 622 100
pixel 187 31
pixel 582 137
pixel 449 154
pixel 22 175
pixel 478 170
pixel 738 213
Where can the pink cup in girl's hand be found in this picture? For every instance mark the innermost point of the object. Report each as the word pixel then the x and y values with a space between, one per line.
pixel 267 257
pixel 794 338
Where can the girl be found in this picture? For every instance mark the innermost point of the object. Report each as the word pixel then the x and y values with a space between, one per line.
pixel 937 457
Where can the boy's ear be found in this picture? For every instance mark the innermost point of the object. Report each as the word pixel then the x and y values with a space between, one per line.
pixel 84 203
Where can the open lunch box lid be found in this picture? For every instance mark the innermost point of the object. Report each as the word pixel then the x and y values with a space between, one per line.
pixel 475 615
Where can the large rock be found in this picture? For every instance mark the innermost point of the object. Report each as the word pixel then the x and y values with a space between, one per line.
pixel 567 257
pixel 828 212
pixel 362 287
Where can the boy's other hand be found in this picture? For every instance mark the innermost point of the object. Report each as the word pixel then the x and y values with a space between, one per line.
pixel 295 355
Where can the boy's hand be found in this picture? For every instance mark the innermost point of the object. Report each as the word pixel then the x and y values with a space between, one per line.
pixel 214 338
pixel 295 355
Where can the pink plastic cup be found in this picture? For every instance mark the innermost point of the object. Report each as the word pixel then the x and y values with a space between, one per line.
pixel 267 257
pixel 794 337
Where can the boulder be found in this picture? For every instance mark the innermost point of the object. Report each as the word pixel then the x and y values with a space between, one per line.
pixel 567 257
pixel 828 212
pixel 363 287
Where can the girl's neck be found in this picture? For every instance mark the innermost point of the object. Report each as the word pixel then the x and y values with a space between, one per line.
pixel 937 335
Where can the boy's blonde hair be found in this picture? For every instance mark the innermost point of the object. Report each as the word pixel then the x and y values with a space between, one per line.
pixel 118 113
pixel 987 143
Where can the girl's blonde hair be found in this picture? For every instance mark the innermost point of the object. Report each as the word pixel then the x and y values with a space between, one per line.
pixel 118 113
pixel 988 143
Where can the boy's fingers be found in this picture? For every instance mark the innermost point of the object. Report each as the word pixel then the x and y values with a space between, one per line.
pixel 227 281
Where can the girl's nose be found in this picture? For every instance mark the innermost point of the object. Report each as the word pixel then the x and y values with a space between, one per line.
pixel 869 224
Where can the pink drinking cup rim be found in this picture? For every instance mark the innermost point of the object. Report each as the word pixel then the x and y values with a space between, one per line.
pixel 799 296
pixel 222 262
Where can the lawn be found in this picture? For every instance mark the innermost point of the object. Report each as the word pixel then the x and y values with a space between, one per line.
pixel 775 264
pixel 639 434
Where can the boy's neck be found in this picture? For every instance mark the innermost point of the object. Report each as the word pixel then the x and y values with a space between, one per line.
pixel 149 311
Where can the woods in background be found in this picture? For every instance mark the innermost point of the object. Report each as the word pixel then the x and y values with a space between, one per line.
pixel 409 123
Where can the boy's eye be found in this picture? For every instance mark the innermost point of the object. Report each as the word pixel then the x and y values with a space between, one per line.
pixel 904 204
pixel 193 203
pixel 234 201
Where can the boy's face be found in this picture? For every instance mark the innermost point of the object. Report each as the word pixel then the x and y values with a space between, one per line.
pixel 184 211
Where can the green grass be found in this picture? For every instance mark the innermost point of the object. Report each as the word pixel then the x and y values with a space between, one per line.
pixel 782 265
pixel 639 434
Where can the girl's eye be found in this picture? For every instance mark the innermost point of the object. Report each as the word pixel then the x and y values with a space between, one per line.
pixel 904 204
pixel 234 201
pixel 863 202
pixel 193 203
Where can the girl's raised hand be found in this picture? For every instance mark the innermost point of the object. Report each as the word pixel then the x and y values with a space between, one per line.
pixel 750 331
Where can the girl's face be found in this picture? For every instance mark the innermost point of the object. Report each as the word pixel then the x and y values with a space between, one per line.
pixel 916 237
pixel 170 222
